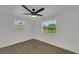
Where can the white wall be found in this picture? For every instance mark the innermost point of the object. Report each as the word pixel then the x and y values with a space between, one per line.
pixel 8 33
pixel 67 35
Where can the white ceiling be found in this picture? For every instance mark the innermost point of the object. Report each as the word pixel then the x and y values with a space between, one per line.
pixel 50 10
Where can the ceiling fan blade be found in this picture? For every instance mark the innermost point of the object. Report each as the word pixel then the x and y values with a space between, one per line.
pixel 26 13
pixel 39 10
pixel 39 15
pixel 26 8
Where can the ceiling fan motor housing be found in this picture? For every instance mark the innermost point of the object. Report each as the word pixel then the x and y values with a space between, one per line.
pixel 33 10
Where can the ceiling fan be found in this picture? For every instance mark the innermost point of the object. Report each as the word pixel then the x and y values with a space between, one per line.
pixel 33 12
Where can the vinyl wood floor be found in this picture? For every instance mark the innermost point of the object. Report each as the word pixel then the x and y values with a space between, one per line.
pixel 33 47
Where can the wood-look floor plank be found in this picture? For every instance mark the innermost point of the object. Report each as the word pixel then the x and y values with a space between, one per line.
pixel 33 47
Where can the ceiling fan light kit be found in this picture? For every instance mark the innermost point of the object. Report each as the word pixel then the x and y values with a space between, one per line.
pixel 33 16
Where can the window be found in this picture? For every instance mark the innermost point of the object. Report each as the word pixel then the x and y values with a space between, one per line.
pixel 19 24
pixel 49 26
